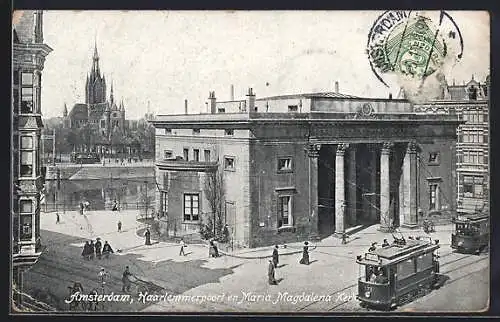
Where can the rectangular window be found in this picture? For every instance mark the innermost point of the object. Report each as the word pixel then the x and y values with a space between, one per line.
pixel 25 206
pixel 27 100
pixel 406 269
pixel 284 211
pixel 196 155
pixel 229 132
pixel 229 163
pixel 434 158
pixel 221 110
pixel 165 181
pixel 103 124
pixel 473 186
pixel 196 131
pixel 485 138
pixel 164 202
pixel 27 79
pixel 191 207
pixel 432 196
pixel 207 155
pixel 167 154
pixel 293 108
pixel 27 160
pixel 284 164
pixel 424 262
pixel 485 118
pixel 15 77
pixel 26 227
pixel 185 152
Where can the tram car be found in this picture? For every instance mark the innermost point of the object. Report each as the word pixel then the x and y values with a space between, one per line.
pixel 471 233
pixel 399 273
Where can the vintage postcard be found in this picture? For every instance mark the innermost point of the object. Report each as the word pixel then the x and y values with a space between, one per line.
pixel 250 161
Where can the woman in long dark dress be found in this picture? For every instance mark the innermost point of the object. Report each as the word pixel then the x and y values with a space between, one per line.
pixel 85 252
pixel 148 237
pixel 305 254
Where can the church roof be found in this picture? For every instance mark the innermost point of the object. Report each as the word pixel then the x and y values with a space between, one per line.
pixel 79 111
pixel 97 110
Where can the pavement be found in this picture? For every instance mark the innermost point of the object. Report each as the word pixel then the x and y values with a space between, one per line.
pixel 234 282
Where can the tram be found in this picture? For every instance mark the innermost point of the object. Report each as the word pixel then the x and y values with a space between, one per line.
pixel 471 232
pixel 397 274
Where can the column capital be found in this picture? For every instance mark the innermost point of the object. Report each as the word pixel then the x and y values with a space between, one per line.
pixel 386 147
pixel 341 148
pixel 412 147
pixel 313 149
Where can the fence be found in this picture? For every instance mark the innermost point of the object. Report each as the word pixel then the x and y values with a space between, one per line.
pixel 63 206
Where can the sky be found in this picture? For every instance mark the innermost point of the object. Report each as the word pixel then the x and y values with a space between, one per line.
pixel 161 58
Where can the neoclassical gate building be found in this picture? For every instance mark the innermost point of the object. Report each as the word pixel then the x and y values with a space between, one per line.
pixel 304 166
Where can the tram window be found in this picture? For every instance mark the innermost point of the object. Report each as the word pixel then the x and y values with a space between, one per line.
pixel 406 268
pixel 424 262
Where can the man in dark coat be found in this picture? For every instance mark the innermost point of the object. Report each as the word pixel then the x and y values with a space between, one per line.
pixel 119 226
pixel 106 249
pixel 85 252
pixel 98 247
pixel 270 273
pixel 147 234
pixel 275 256
pixel 385 243
pixel 372 247
pixel 126 280
pixel 91 249
pixel 305 254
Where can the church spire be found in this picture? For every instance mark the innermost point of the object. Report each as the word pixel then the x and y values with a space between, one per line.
pixel 95 58
pixel 65 111
pixel 111 96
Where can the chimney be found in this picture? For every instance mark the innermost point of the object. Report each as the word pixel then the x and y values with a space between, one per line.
pixel 232 92
pixel 250 101
pixel 212 104
pixel 185 106
pixel 336 86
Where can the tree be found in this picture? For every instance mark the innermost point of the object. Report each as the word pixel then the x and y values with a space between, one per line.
pixel 215 192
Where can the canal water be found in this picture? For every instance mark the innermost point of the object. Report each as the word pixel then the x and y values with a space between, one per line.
pixel 129 193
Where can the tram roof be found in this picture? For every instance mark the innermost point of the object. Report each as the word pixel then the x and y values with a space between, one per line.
pixel 478 216
pixel 396 253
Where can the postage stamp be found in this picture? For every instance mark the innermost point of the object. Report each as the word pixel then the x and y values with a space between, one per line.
pixel 413 49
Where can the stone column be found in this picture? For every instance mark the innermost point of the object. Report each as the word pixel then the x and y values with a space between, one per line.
pixel 313 153
pixel 340 201
pixel 351 187
pixel 410 186
pixel 385 220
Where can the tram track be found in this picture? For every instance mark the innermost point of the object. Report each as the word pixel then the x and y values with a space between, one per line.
pixel 351 286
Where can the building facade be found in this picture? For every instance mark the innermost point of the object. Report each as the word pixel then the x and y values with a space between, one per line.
pixel 470 101
pixel 303 166
pixel 104 116
pixel 29 53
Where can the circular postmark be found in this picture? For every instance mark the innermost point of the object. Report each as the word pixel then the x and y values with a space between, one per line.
pixel 413 50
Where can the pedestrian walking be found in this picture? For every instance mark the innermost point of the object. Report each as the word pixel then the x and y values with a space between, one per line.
pixel 119 226
pixel 372 247
pixel 91 250
pixel 126 280
pixel 103 276
pixel 275 256
pixel 81 208
pixel 85 252
pixel 58 219
pixel 213 251
pixel 344 238
pixel 305 254
pixel 147 234
pixel 115 206
pixel 385 243
pixel 270 273
pixel 98 247
pixel 107 250
pixel 181 252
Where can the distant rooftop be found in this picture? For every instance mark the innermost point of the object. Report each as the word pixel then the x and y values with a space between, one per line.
pixel 308 95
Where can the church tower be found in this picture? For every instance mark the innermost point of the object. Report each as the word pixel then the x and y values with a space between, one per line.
pixel 95 86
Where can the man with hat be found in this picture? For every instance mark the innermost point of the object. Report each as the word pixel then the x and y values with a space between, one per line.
pixel 275 256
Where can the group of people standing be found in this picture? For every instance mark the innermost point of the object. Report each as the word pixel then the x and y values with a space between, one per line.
pixel 93 250
pixel 273 262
